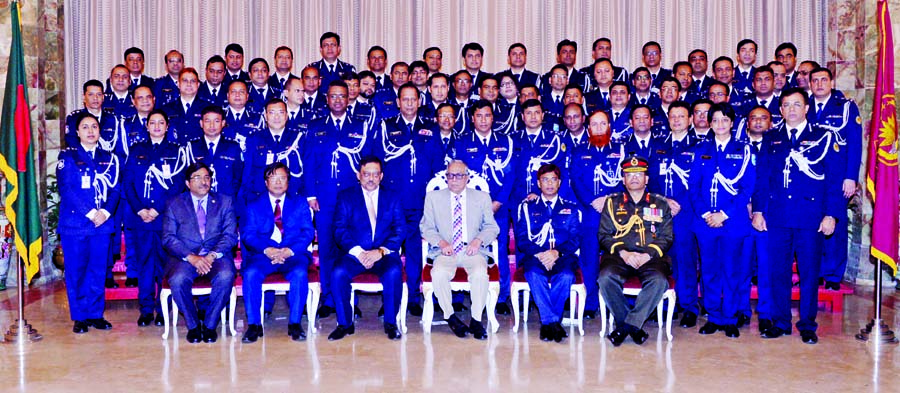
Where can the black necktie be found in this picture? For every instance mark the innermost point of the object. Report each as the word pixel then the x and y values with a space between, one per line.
pixel 531 138
pixel 187 107
pixel 92 154
pixel 819 111
pixel 277 139
pixel 744 74
pixel 605 96
pixel 237 117
pixel 135 81
pixel 755 145
pixel 282 82
pixel 261 91
pixel 293 113
pixel 721 148
pixel 212 149
pixel 793 132
pixel 215 92
pixel 643 144
pixel 616 115
pixel 350 110
pixel 763 103
pixel 331 68
pixel 337 124
pixel 446 141
pixel 144 122
pixel 378 81
pixel 549 206
pixel 643 100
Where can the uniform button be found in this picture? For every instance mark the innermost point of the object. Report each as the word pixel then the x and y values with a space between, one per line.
pixel 789 197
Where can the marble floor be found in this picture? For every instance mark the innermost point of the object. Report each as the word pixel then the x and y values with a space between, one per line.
pixel 131 359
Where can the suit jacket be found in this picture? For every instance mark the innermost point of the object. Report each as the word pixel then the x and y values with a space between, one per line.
pixel 181 233
pixel 437 221
pixel 259 223
pixel 351 221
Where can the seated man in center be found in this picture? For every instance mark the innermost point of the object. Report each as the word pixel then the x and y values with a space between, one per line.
pixel 458 223
pixel 547 235
pixel 276 231
pixel 636 231
pixel 374 249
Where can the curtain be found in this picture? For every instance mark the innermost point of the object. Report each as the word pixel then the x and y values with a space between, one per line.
pixel 97 32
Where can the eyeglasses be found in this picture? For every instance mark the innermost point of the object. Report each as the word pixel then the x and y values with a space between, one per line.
pixel 457 176
pixel 201 178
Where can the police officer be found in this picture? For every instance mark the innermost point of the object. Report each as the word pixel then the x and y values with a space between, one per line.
pixel 699 119
pixel 757 245
pixel 651 56
pixel 566 54
pixel 764 93
pixel 385 100
pixel 439 90
pixel 335 145
pixel 646 89
pixel 118 95
pixel 412 155
pixel 461 97
pixel 536 145
pixel 93 99
pixel 493 155
pixel 221 155
pixel 363 111
pixel 147 184
pixel 316 102
pixel 284 62
pixel 165 88
pixel 619 111
pixel 555 83
pixel 330 67
pixel 184 112
pixel 798 200
pixel 376 61
pixel 234 64
pixel 602 73
pixel 672 165
pixel 547 235
pixel 212 89
pixel 134 66
pixel 641 142
pixel 635 233
pixel 721 182
pixel 786 53
pixel 293 95
pixel 135 127
pixel 89 194
pixel 260 91
pixel 445 117
pixel 746 58
pixel 594 169
pixel 473 58
pixel 699 69
pixel 517 58
pixel 602 49
pixel 240 121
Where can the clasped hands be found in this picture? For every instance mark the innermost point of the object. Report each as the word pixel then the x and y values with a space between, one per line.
pixel 278 255
pixel 148 215
pixel 202 264
pixel 369 257
pixel 471 249
pixel 634 259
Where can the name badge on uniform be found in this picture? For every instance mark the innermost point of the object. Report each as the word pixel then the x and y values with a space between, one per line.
pixel 270 158
pixel 662 168
pixel 85 182
pixel 425 132
pixel 167 170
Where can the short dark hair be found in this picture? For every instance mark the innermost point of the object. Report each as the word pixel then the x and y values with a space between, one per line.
pixel 717 83
pixel 194 168
pixel 274 101
pixel 458 73
pixel 671 79
pixel 764 68
pixel 680 63
pixel 370 160
pixel 696 51
pixel 814 63
pixel 234 47
pixel 273 167
pixel 516 45
pixel 285 47
pixel 336 82
pixel 490 78
pixel 366 74
pixel 398 64
pixel 702 101
pixel 723 58
pixel 620 83
pixel 349 76
pixel 566 42
pixel 92 82
pixel 189 70
pixel 472 46
pixel 598 41
pixel 635 108
pixel 328 35
pixel 241 81
pixel 679 104
pixel 438 75
pixel 822 69
pixel 373 49
pixel 746 41
pixel 213 109
pixel 792 91
pixel 408 85
pixel 722 108
pixel 84 115
pixel 482 104
pixel 257 60
pixel 758 106
pixel 561 67
pixel 215 59
pixel 132 50
pixel 639 69
pixel 651 43
pixel 786 45
pixel 549 168
pixel 507 74
pixel 418 64
pixel 432 48
pixel 159 111
pixel 602 60
pixel 533 102
pixel 446 105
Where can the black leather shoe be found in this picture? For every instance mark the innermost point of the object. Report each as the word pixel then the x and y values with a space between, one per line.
pixel 559 333
pixel 590 314
pixel 381 312
pixel 503 309
pixel 709 328
pixel 341 331
pixel 357 313
pixel 639 336
pixel 742 320
pixel 80 327
pixel 295 330
pixel 617 337
pixel 195 335
pixel 99 324
pixel 732 331
pixel 547 333
pixel 392 332
pixel 110 283
pixel 159 320
pixel 325 312
pixel 832 285
pixel 772 332
pixel 754 280
pixel 765 324
pixel 253 333
pixel 689 320
pixel 477 330
pixel 210 335
pixel 145 320
pixel 131 282
pixel 415 309
pixel 809 337
pixel 457 307
pixel 458 327
pixel 821 281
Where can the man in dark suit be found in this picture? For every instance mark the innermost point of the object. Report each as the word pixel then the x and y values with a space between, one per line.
pixel 374 249
pixel 199 231
pixel 276 232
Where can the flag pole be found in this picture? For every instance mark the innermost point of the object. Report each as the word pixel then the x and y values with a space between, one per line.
pixel 877 331
pixel 21 331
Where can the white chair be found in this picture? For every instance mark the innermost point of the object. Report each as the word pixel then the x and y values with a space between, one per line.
pixel 280 285
pixel 369 282
pixel 202 286
pixel 632 287
pixel 577 292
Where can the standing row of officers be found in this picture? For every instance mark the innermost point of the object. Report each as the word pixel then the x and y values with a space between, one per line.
pixel 743 179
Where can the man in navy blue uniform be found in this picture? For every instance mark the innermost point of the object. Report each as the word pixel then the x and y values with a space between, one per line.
pixel 412 155
pixel 547 235
pixel 759 121
pixel 602 78
pixel 746 58
pixel 764 93
pixel 334 145
pixel 602 49
pixel 434 58
pixel 699 119
pixel 385 100
pixel 376 61
pixel 134 63
pixel 786 53
pixel 222 155
pixel 118 94
pixel 199 231
pixel 331 68
pixel 240 121
pixel 683 73
pixel 259 89
pixel 150 178
pixel 445 118
pixel 275 143
pixel 283 62
pixel 669 91
pixel 374 248
pixel 213 89
pixel 721 182
pixel 276 233
pixel 493 155
pixel 234 63
pixel 473 57
pixel 566 54
pixel 294 97
pixel 651 56
pixel 798 200
pixel 439 90
pixel 165 88
pixel 575 134
pixel 135 127
pixel 89 194
pixel 462 98
pixel 555 83
pixel 536 145
pixel 646 89
pixel 699 69
pixel 723 71
pixel 672 166
pixel 517 58
pixel 641 141
pixel 594 169
pixel 184 112
pixel 316 102
pixel 418 76
pixel 357 107
pixel 841 117
pixel 619 111
pixel 92 97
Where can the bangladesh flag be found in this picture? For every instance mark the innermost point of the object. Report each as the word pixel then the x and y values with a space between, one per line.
pixel 17 159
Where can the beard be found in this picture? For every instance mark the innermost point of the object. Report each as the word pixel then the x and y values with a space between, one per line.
pixel 600 140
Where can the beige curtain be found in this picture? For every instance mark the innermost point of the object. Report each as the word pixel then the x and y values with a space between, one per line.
pixel 98 31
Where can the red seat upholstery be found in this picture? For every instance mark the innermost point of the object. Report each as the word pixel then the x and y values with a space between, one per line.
pixel 461 275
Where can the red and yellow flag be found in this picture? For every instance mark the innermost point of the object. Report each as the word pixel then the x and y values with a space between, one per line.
pixel 881 168
pixel 17 157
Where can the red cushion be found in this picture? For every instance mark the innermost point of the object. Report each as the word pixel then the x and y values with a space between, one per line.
pixel 461 276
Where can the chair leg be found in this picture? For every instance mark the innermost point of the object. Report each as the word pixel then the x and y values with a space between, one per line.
pixel 526 304
pixel 174 317
pixel 223 320
pixel 164 303
pixel 315 290
pixel 493 295
pixel 515 294
pixel 582 294
pixel 352 303
pixel 262 309
pixel 404 298
pixel 603 316
pixel 671 313
pixel 232 307
pixel 428 310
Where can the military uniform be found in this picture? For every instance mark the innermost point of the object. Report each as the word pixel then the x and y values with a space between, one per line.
pixel 121 106
pixel 240 125
pixel 258 96
pixel 277 82
pixel 165 90
pixel 331 72
pixel 218 95
pixel 184 126
pixel 225 161
pixel 743 80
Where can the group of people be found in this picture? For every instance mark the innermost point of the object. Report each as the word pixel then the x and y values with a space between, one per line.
pixel 602 173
